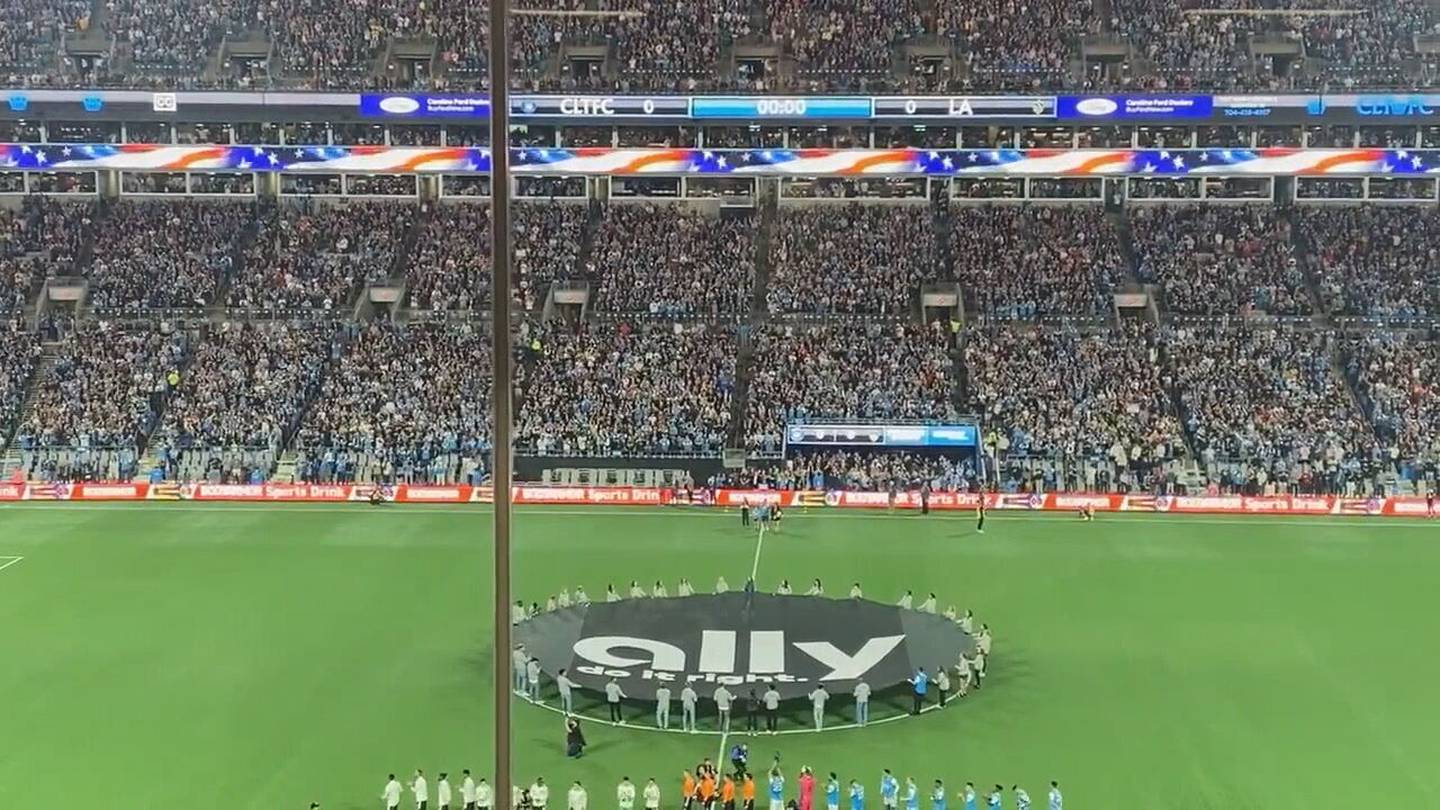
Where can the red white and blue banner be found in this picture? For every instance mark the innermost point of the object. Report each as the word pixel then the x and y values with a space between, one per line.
pixel 603 161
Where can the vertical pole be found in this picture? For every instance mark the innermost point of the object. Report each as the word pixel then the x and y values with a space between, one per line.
pixel 501 395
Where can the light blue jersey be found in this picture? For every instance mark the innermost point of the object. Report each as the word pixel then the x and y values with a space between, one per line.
pixel 857 797
pixel 777 788
pixel 1057 802
pixel 970 799
pixel 993 800
pixel 937 798
pixel 832 793
pixel 889 790
pixel 912 796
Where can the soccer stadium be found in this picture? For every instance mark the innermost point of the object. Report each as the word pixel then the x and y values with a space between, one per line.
pixel 893 403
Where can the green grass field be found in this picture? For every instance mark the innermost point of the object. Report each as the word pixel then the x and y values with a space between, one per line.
pixel 176 656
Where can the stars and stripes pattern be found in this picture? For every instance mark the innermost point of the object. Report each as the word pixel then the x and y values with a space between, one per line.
pixel 686 161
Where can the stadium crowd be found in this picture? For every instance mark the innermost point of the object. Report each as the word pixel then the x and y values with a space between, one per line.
pixel 1019 263
pixel 1219 259
pixel 1060 394
pixel 843 371
pixel 617 389
pixel 163 254
pixel 1398 378
pixel 668 261
pixel 404 403
pixel 855 260
pixel 1374 261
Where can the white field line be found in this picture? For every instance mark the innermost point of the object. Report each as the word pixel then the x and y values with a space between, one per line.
pixel 6 562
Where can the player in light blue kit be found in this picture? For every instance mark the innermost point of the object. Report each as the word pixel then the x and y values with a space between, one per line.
pixel 993 800
pixel 889 790
pixel 832 792
pixel 777 789
pixel 937 796
pixel 857 795
pixel 969 795
pixel 1057 802
pixel 912 794
pixel 1022 799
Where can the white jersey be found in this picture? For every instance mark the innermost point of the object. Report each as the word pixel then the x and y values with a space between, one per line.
pixel 784 589
pixel 983 641
pixel 818 698
pixel 684 589
pixel 625 796
pixel 391 794
pixel 442 793
pixel 652 796
pixel 564 683
pixel 539 794
pixel 928 606
pixel 721 586
pixel 581 598
pixel 563 599
pixel 421 789
pixel 520 659
pixel 637 592
pixel 577 799
pixel 484 795
pixel 905 602
pixel 517 614
pixel 662 695
pixel 467 790
pixel 967 622
pixel 550 605
pixel 688 697
pixel 723 698
pixel 816 590
pixel 862 692
pixel 772 699
pixel 532 670
pixel 660 592
pixel 611 596
pixel 1057 802
pixel 613 692
pixel 855 592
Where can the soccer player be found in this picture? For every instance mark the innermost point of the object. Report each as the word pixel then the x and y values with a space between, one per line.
pixel 777 790
pixel 723 697
pixel 613 695
pixel 484 796
pixel 567 691
pixel 784 589
pixel 652 795
pixel 563 599
pixel 1022 799
pixel 1087 512
pixel 467 790
pixel 577 798
pixel 921 685
pixel 912 794
pixel 818 696
pixel 747 791
pixel 772 708
pixel 625 794
pixel 391 794
pixel 1057 802
pixel 727 792
pixel 442 792
pixel 862 703
pixel 581 598
pixel 969 796
pixel 942 685
pixel 662 706
pixel 687 790
pixel 539 793
pixel 906 602
pixel 889 790
pixel 832 792
pixel 532 677
pixel 816 589
pixel 610 594
pixel 806 781
pixel 855 592
pixel 636 592
pixel 421 789
pixel 994 799
pixel 721 586
pixel 688 699
pixel 937 796
pixel 980 515
pixel 928 606
pixel 857 795
pixel 521 663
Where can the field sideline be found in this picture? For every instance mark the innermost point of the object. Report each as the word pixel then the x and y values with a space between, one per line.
pixel 260 656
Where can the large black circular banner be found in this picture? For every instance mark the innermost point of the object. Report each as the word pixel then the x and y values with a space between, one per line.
pixel 740 640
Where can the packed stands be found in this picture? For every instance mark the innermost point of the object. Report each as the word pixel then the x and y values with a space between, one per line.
pixel 855 260
pixel 672 262
pixel 622 389
pixel 163 254
pixel 1374 261
pixel 316 258
pixel 19 350
pixel 1220 260
pixel 404 403
pixel 1020 263
pixel 846 371
pixel 1397 376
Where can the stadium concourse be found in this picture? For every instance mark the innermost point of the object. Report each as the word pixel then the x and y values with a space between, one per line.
pixel 246 350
